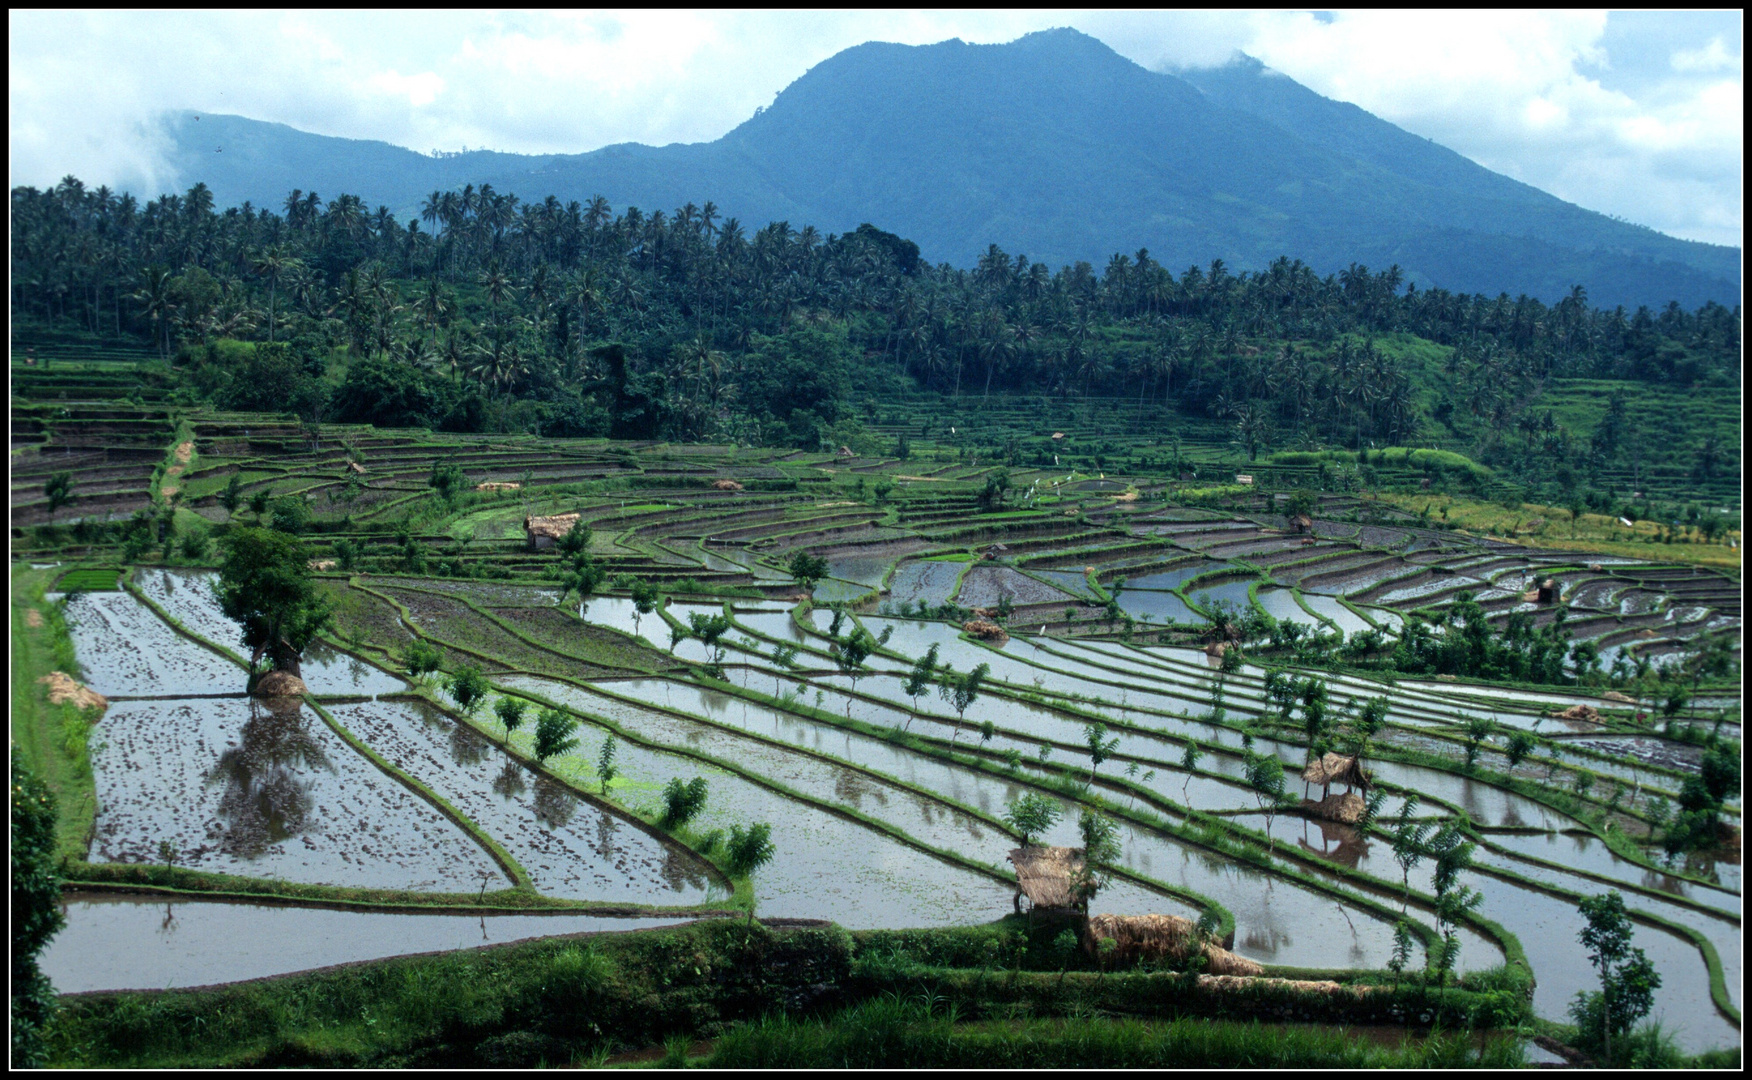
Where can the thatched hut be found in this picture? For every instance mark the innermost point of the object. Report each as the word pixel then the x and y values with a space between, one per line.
pixel 1159 937
pixel 1302 523
pixel 1335 769
pixel 1046 876
pixel 1547 592
pixel 544 532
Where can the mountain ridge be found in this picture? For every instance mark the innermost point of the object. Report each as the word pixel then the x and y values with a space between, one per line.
pixel 1057 147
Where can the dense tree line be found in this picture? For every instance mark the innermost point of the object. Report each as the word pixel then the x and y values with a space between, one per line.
pixel 486 312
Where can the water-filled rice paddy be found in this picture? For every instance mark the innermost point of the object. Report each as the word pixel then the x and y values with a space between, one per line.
pixel 875 831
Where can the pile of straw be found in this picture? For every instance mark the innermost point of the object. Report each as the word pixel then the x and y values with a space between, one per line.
pixel 63 689
pixel 1158 937
pixel 726 485
pixel 985 631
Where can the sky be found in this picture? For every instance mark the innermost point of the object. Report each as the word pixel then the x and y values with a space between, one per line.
pixel 1634 114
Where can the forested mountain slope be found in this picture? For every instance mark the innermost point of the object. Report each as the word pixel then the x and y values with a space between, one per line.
pixel 1057 147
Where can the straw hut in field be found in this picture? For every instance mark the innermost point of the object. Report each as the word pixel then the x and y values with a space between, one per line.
pixel 544 532
pixel 1335 769
pixel 1160 937
pixel 1302 523
pixel 1046 876
pixel 1545 593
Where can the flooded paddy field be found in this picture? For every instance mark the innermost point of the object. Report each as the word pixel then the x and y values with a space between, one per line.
pixel 121 942
pixel 259 789
pixel 885 806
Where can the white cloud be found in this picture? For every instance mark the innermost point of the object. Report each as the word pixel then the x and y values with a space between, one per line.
pixel 1712 57
pixel 1509 89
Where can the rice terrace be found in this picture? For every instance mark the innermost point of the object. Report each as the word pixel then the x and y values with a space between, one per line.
pixel 563 636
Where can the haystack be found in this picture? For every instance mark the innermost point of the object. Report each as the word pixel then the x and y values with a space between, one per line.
pixel 355 467
pixel 1577 712
pixel 1044 874
pixel 33 618
pixel 1157 937
pixel 63 689
pixel 184 451
pixel 1622 699
pixel 279 684
pixel 726 485
pixel 1126 497
pixel 1345 808
pixel 323 565
pixel 545 532
pixel 985 631
pixel 1217 649
pixel 498 485
pixel 1058 435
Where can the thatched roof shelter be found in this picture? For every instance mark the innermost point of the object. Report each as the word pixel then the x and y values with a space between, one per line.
pixel 1157 937
pixel 1045 874
pixel 545 532
pixel 1335 769
pixel 1302 523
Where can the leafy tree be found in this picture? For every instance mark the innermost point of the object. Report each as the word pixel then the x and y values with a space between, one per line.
pixel 58 491
pixel 1478 729
pixel 1265 775
pixel 1402 941
pixel 510 712
pixel 961 690
pixel 682 802
pixel 346 554
pixel 265 584
pixel 1032 815
pixel 553 735
pixel 576 540
pixel 232 495
pixel 423 658
pixel 710 629
pixel 468 688
pixel 583 577
pixel 748 851
pixel 850 655
pixel 1189 758
pixel 291 514
pixel 920 679
pixel 36 911
pixel 1628 980
pixel 1100 851
pixel 644 596
pixel 1408 844
pixel 447 480
pixel 1520 745
pixel 806 570
pixel 606 770
pixel 1100 747
pixel 784 658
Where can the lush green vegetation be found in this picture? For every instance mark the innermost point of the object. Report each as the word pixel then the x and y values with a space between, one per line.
pixel 571 321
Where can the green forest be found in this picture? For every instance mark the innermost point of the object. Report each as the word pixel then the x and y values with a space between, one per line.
pixel 490 314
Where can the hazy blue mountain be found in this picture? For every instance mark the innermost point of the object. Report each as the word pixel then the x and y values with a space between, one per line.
pixel 1056 147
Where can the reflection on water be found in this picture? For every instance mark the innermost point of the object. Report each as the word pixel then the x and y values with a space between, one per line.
pixel 555 805
pixel 466 747
pixel 264 799
pixel 510 783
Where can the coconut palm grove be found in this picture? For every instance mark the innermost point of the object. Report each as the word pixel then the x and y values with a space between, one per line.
pixel 544 632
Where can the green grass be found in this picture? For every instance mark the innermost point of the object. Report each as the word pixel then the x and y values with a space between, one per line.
pixel 52 739
pixel 908 1034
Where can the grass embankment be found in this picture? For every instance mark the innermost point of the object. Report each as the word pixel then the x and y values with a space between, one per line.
pixel 582 997
pixel 1551 527
pixel 52 739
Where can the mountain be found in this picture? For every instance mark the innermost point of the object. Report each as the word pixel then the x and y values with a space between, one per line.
pixel 1053 146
